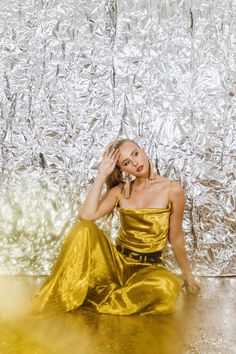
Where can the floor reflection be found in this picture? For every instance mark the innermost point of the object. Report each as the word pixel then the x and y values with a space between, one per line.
pixel 88 332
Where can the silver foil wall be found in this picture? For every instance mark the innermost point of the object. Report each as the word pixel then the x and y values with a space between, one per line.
pixel 76 75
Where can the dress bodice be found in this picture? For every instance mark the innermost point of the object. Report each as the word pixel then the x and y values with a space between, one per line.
pixel 144 229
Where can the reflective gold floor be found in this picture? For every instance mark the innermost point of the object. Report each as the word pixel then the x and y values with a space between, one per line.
pixel 201 324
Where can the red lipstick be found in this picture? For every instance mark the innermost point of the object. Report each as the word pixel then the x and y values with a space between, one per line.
pixel 140 168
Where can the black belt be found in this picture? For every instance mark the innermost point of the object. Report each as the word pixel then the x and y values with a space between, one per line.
pixel 151 257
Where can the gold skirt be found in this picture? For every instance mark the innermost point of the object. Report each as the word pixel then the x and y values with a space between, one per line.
pixel 90 273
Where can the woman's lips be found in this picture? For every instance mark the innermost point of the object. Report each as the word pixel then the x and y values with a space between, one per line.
pixel 140 168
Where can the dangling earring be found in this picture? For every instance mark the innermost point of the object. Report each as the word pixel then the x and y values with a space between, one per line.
pixel 152 174
pixel 127 187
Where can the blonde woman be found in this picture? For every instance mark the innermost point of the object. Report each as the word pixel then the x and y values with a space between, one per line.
pixel 129 277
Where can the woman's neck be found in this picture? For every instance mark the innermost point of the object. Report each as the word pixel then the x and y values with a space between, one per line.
pixel 142 181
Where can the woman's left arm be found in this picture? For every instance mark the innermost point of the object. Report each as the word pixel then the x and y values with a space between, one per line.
pixel 176 236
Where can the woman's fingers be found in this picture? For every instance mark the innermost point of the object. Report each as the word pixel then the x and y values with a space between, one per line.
pixel 194 289
pixel 113 154
pixel 191 287
pixel 109 160
pixel 104 154
pixel 117 154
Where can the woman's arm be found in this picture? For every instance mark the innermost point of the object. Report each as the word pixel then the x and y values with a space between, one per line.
pixel 176 236
pixel 95 207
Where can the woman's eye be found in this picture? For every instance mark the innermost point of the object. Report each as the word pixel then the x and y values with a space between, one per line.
pixel 126 163
pixel 136 153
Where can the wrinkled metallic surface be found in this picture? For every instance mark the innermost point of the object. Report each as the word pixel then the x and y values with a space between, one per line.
pixel 77 74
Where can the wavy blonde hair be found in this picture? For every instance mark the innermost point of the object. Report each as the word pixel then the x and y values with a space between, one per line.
pixel 116 178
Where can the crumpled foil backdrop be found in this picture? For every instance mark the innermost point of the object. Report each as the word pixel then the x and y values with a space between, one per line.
pixel 76 75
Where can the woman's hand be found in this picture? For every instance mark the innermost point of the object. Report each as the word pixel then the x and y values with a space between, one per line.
pixel 190 284
pixel 108 163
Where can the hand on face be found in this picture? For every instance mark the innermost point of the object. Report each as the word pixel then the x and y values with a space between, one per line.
pixel 190 284
pixel 108 163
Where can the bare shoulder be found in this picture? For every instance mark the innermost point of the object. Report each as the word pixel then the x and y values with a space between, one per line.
pixel 112 193
pixel 116 191
pixel 176 188
pixel 177 196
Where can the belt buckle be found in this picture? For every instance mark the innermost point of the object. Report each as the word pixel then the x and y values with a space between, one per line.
pixel 131 254
pixel 141 258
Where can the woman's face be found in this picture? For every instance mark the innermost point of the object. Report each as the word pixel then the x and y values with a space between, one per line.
pixel 133 160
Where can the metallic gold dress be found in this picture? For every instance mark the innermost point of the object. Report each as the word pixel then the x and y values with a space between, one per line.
pixel 90 272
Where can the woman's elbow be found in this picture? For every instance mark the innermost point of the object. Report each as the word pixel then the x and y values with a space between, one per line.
pixel 177 243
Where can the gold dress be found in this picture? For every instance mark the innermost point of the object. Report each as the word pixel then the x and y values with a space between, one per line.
pixel 91 273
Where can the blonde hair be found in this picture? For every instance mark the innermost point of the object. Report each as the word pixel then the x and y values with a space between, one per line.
pixel 116 178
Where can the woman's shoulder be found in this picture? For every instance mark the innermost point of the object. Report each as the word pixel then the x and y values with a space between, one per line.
pixel 176 190
pixel 174 185
pixel 117 190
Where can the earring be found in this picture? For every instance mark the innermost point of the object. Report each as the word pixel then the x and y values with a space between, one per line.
pixel 127 187
pixel 152 174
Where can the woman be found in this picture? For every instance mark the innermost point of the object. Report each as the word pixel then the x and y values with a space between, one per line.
pixel 130 277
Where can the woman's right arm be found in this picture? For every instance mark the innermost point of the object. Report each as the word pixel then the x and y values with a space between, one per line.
pixel 94 207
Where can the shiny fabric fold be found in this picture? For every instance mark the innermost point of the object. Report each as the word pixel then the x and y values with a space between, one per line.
pixel 90 273
pixel 144 229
